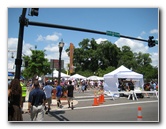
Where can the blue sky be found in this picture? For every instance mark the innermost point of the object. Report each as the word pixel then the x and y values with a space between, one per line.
pixel 134 22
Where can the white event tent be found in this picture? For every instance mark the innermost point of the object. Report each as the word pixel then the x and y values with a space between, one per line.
pixel 95 78
pixel 111 79
pixel 55 74
pixel 77 76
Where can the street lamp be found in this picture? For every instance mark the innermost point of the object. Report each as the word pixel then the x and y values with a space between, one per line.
pixel 61 44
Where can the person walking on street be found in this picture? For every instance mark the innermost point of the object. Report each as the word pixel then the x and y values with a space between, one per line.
pixel 36 103
pixel 58 95
pixel 70 89
pixel 48 92
pixel 14 101
pixel 24 91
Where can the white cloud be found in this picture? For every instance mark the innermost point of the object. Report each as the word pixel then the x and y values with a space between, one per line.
pixel 40 38
pixel 155 59
pixel 138 47
pixel 143 33
pixel 52 52
pixel 154 31
pixel 134 45
pixel 12 44
pixel 12 51
pixel 52 48
pixel 54 37
pixel 98 41
pixel 26 49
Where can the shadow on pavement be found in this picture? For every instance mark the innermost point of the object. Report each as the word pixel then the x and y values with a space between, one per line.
pixel 58 115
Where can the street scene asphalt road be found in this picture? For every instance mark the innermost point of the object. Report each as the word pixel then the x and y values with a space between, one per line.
pixel 119 110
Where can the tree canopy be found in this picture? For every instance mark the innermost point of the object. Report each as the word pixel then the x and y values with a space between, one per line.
pixel 91 58
pixel 36 64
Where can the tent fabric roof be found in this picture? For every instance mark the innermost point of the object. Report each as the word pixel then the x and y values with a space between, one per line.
pixel 75 76
pixel 95 78
pixel 55 74
pixel 120 69
pixel 129 74
pixel 111 79
pixel 123 72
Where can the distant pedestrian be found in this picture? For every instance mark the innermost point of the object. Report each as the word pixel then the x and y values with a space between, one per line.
pixel 36 103
pixel 35 78
pixel 14 101
pixel 70 89
pixel 48 92
pixel 24 91
pixel 83 86
pixel 58 95
pixel 154 85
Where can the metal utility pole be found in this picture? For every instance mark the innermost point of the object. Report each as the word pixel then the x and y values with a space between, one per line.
pixel 61 45
pixel 18 60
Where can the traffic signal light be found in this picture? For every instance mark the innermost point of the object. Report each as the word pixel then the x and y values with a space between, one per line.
pixel 34 11
pixel 151 42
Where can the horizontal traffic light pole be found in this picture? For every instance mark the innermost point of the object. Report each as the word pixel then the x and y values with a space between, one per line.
pixel 110 33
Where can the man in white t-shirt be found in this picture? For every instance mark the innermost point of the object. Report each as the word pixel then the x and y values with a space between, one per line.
pixel 48 92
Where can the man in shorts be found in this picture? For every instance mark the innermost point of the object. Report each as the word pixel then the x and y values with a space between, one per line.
pixel 48 92
pixel 70 89
pixel 59 94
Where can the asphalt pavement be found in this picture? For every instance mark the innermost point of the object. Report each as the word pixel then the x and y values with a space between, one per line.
pixel 119 110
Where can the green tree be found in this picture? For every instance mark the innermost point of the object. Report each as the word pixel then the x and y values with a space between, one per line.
pixel 91 56
pixel 143 59
pixel 108 55
pixel 103 58
pixel 127 58
pixel 144 66
pixel 36 64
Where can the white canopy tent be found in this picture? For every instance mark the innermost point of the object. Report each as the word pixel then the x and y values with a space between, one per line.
pixel 95 78
pixel 77 76
pixel 111 79
pixel 55 74
pixel 92 78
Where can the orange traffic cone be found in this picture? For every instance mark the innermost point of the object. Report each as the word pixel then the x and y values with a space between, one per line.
pixel 100 100
pixel 139 116
pixel 103 100
pixel 95 103
pixel 102 94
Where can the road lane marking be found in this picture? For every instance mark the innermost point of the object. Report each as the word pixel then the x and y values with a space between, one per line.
pixel 111 105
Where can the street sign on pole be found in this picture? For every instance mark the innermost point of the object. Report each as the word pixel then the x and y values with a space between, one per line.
pixel 111 33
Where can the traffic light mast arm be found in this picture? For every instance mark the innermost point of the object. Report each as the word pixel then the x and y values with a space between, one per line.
pixel 122 36
pixel 110 33
pixel 65 27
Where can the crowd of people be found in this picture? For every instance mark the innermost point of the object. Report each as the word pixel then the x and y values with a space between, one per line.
pixel 40 95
